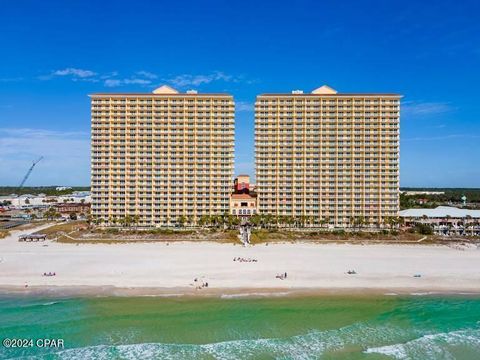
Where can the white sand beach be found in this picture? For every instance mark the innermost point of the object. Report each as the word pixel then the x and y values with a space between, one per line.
pixel 388 268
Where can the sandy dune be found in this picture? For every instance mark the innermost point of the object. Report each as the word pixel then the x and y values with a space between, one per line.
pixel 309 266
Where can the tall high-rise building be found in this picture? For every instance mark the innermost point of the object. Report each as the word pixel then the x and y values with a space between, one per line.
pixel 160 157
pixel 328 156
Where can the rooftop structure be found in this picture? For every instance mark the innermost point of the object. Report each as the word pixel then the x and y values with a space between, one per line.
pixel 440 212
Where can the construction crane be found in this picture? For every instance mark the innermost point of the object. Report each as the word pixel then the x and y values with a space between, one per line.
pixel 29 172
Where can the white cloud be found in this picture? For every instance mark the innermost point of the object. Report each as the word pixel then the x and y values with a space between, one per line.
pixel 109 75
pixel 109 79
pixel 112 82
pixel 81 73
pixel 142 78
pixel 121 82
pixel 443 137
pixel 196 80
pixel 425 108
pixel 146 74
pixel 66 156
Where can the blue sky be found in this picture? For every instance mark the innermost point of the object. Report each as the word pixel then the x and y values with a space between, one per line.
pixel 54 53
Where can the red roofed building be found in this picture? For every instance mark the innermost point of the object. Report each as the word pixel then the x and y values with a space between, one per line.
pixel 242 201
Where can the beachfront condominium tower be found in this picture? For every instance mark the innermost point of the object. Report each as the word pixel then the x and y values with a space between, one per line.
pixel 328 157
pixel 160 158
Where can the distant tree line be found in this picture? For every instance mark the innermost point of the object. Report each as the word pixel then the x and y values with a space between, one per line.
pixel 451 196
pixel 35 190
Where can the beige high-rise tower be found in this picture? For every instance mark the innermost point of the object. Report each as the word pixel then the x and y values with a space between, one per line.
pixel 160 157
pixel 328 156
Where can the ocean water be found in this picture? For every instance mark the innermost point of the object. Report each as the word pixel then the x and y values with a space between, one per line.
pixel 327 327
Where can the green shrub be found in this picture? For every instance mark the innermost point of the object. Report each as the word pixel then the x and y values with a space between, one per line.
pixel 424 229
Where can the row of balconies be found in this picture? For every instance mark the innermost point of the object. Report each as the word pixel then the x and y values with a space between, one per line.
pixel 218 162
pixel 140 124
pixel 327 106
pixel 315 115
pixel 156 153
pixel 163 107
pixel 180 139
pixel 326 127
pixel 262 177
pixel 288 135
pixel 316 145
pixel 162 111
pixel 331 155
pixel 151 99
pixel 391 172
pixel 217 143
pixel 325 154
pixel 140 161
pixel 161 136
pixel 327 133
pixel 159 129
pixel 274 173
pixel 170 156
pixel 288 99
pixel 347 189
pixel 161 117
pixel 357 162
pixel 355 99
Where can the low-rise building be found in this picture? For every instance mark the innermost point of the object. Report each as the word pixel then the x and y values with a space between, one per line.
pixel 243 202
pixel 42 200
pixel 76 208
pixel 444 220
pixel 415 192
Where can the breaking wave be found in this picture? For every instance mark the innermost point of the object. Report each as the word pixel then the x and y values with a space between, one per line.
pixel 433 346
pixel 300 347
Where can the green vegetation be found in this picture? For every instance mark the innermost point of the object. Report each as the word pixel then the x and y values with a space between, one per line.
pixel 260 236
pixel 423 229
pixel 82 232
pixel 34 190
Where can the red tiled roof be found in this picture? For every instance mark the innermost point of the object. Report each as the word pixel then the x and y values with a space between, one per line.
pixel 242 196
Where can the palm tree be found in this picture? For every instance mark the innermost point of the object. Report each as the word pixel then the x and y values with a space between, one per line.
pixel 182 220
pixel 136 219
pixel 324 221
pixel 128 220
pixel 468 219
pixel 256 220
pixel 204 219
pixel 122 221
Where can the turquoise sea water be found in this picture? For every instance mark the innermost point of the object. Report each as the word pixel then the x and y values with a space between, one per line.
pixel 328 327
